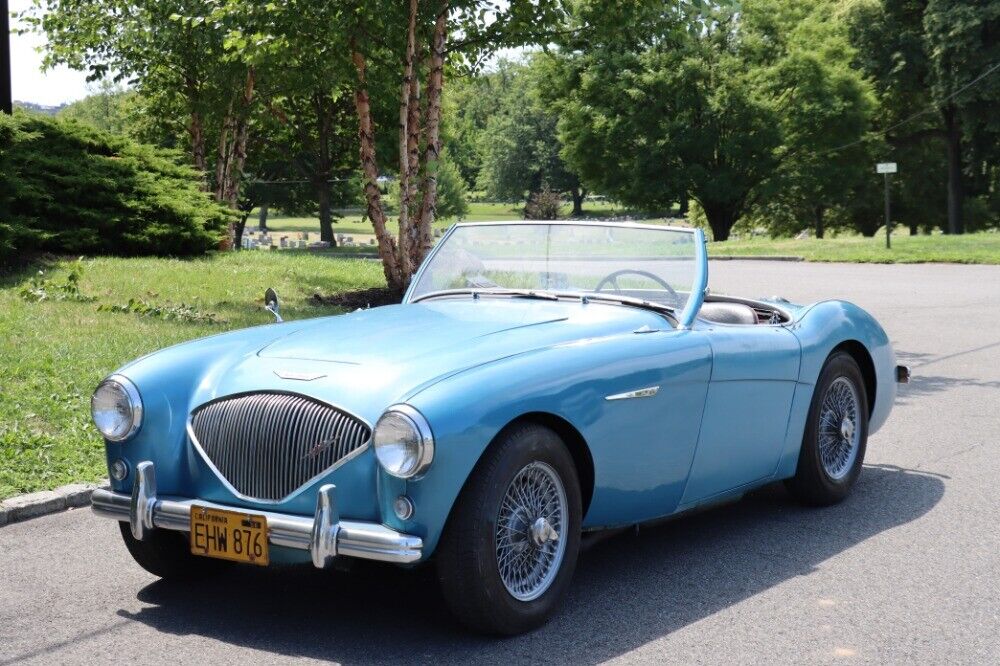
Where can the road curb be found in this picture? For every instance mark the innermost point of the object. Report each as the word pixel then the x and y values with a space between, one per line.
pixel 755 257
pixel 34 505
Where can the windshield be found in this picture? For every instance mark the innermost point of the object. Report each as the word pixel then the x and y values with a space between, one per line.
pixel 654 264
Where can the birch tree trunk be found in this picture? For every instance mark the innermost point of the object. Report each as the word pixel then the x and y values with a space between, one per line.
pixel 408 113
pixel 432 134
pixel 369 167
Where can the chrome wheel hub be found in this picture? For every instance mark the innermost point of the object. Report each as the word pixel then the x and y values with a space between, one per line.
pixel 839 437
pixel 529 545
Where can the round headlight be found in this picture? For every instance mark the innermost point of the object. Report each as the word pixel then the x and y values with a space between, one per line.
pixel 403 442
pixel 116 408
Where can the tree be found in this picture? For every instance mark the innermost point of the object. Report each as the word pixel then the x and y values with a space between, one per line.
pixel 823 106
pixel 184 62
pixel 109 108
pixel 481 27
pixel 930 55
pixel 519 146
pixel 720 105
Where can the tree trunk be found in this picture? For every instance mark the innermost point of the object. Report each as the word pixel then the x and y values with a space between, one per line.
pixel 956 195
pixel 818 212
pixel 685 205
pixel 409 111
pixel 323 168
pixel 578 193
pixel 262 217
pixel 369 167
pixel 913 229
pixel 721 219
pixel 325 214
pixel 432 132
pixel 196 134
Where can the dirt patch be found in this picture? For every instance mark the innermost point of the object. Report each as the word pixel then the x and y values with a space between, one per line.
pixel 360 298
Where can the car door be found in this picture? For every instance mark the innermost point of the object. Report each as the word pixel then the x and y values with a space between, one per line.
pixel 754 371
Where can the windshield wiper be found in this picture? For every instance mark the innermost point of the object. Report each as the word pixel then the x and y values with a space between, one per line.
pixel 626 300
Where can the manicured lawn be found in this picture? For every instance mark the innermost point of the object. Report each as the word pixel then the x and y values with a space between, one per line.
pixel 52 354
pixel 351 223
pixel 980 248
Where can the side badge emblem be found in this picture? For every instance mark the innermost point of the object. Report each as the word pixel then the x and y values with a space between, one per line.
pixel 640 393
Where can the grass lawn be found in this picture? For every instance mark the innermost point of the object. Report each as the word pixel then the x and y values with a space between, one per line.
pixel 52 354
pixel 979 248
pixel 478 212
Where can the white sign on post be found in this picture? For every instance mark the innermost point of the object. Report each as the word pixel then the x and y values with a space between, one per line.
pixel 885 167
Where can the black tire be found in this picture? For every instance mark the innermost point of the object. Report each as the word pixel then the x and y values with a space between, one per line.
pixel 466 556
pixel 167 554
pixel 813 484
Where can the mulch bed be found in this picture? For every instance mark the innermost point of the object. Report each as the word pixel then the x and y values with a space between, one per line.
pixel 360 298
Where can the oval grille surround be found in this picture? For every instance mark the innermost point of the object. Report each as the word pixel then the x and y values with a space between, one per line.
pixel 268 445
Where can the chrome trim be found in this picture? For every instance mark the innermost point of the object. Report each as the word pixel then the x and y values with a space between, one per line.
pixel 423 429
pixel 349 538
pixel 135 402
pixel 299 376
pixel 326 527
pixel 142 501
pixel 648 392
pixel 305 485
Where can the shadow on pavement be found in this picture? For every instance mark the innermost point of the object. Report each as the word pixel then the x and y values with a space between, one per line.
pixel 629 589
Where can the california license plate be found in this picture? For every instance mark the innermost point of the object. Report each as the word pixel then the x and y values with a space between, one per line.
pixel 229 535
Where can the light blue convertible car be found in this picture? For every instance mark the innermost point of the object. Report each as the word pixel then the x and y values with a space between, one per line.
pixel 539 380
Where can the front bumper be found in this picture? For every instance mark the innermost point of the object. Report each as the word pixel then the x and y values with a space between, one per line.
pixel 324 535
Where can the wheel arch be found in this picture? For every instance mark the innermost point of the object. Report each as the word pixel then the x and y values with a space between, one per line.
pixel 575 443
pixel 863 358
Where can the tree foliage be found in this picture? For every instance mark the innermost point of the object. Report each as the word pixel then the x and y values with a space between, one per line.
pixel 68 188
pixel 729 112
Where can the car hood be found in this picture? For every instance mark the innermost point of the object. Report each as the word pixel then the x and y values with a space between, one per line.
pixel 367 360
pixel 406 333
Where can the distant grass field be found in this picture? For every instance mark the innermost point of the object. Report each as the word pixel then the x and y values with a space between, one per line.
pixel 478 212
pixel 53 353
pixel 979 248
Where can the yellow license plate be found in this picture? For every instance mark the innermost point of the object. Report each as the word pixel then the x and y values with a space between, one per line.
pixel 229 535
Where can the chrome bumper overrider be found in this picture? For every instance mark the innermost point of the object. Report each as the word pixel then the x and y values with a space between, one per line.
pixel 324 535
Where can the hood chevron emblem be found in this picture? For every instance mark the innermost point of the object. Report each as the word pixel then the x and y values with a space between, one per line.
pixel 299 376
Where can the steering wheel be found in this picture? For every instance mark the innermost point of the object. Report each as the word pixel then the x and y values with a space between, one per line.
pixel 612 280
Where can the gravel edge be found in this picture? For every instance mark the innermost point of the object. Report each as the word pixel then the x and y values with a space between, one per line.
pixel 34 505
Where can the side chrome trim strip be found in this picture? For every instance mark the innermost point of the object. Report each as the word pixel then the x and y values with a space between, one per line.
pixel 648 392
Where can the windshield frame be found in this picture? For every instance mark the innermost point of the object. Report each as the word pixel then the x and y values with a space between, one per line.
pixel 684 318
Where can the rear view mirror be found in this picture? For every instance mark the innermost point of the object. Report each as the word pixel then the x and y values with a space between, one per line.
pixel 271 303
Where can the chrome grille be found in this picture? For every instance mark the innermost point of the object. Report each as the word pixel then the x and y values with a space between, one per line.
pixel 267 445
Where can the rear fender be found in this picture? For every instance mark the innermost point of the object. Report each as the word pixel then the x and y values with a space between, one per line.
pixel 821 328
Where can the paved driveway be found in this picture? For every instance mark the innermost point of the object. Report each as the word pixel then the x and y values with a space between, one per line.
pixel 907 570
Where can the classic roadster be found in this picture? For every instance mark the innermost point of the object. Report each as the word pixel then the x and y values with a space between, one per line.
pixel 539 380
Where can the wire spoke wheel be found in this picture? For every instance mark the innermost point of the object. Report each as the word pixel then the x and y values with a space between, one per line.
pixel 530 537
pixel 839 432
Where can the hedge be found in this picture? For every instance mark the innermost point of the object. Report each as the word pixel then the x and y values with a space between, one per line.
pixel 68 188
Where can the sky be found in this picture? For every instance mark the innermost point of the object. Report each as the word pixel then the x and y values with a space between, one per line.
pixel 28 82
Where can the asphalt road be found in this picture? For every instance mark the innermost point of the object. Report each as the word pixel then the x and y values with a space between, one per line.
pixel 906 571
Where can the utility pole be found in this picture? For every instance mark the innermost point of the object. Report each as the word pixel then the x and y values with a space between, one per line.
pixel 6 97
pixel 887 169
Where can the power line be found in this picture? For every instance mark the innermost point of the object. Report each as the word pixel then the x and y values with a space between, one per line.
pixel 929 109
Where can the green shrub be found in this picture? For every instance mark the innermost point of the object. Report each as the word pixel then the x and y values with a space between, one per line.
pixel 69 188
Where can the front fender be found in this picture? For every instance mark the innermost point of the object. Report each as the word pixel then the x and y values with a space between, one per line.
pixel 640 465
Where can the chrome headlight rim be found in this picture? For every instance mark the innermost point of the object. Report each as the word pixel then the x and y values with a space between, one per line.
pixel 425 437
pixel 134 398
